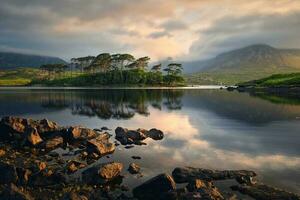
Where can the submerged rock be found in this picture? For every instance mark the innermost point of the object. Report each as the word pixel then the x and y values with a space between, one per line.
pixel 265 192
pixel 100 145
pixel 182 175
pixel 134 168
pixel 155 188
pixel 102 173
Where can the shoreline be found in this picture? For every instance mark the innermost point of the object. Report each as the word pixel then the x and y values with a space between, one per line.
pixel 110 88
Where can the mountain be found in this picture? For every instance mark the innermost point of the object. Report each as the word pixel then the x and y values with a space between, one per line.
pixel 16 60
pixel 248 63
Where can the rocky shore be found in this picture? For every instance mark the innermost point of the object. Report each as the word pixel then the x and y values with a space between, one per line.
pixel 33 167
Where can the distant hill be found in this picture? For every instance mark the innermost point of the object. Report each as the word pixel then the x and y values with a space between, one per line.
pixel 248 63
pixel 16 60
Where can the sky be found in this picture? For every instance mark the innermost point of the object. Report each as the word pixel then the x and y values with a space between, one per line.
pixel 161 29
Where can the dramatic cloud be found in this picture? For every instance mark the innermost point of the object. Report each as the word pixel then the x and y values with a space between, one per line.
pixel 181 29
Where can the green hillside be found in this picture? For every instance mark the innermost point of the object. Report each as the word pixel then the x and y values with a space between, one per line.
pixel 276 80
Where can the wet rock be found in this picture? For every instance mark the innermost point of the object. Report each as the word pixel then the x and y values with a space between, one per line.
pixel 205 189
pixel 100 145
pixel 155 134
pixel 2 153
pixel 53 143
pixel 81 133
pixel 14 193
pixel 33 136
pixel 129 147
pixel 74 165
pixel 8 173
pixel 182 175
pixel 15 127
pixel 248 180
pixel 126 136
pixel 134 168
pixel 104 128
pixel 53 154
pixel 265 192
pixel 155 188
pixel 102 173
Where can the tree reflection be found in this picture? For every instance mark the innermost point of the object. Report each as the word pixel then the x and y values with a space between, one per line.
pixel 113 104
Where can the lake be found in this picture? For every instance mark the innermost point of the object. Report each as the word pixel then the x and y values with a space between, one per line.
pixel 205 128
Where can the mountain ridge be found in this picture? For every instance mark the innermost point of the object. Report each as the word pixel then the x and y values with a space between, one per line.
pixel 12 60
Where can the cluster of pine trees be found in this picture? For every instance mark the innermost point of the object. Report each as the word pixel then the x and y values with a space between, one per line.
pixel 107 69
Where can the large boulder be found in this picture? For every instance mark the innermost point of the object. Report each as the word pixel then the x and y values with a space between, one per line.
pixel 155 188
pixel 126 136
pixel 102 173
pixel 16 127
pixel 185 174
pixel 81 133
pixel 8 173
pixel 100 145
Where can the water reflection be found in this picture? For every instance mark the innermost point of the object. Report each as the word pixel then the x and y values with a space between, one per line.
pixel 203 128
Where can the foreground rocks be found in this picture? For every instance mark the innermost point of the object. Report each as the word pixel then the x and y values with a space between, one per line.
pixel 126 137
pixel 42 160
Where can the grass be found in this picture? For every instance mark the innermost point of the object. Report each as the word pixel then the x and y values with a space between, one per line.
pixel 276 80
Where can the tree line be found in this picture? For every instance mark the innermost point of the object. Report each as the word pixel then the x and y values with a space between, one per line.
pixel 121 65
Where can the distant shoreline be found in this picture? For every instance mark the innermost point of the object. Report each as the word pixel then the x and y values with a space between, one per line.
pixel 109 88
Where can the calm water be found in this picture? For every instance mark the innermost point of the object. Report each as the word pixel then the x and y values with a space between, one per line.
pixel 203 128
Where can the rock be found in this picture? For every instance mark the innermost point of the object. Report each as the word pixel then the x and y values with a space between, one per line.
pixel 33 136
pixel 126 136
pixel 102 173
pixel 23 175
pixel 265 192
pixel 53 143
pixel 15 127
pixel 155 134
pixel 155 188
pixel 205 189
pixel 12 192
pixel 81 133
pixel 74 165
pixel 100 145
pixel 182 175
pixel 248 180
pixel 134 168
pixel 2 153
pixel 104 128
pixel 136 157
pixel 46 178
pixel 41 165
pixel 8 173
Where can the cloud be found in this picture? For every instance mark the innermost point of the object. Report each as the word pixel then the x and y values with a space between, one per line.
pixel 193 29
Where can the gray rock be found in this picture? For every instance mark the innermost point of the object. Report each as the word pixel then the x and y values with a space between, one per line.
pixel 155 188
pixel 183 175
pixel 102 173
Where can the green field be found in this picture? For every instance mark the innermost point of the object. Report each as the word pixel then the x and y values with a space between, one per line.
pixel 276 80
